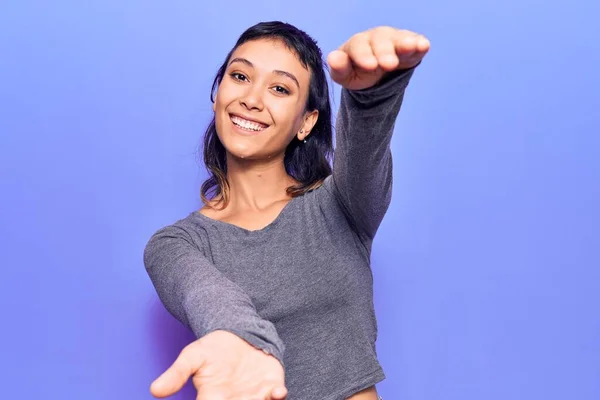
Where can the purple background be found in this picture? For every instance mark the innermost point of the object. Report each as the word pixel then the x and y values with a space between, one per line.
pixel 487 267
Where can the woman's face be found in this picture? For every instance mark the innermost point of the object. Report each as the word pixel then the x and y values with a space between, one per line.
pixel 260 103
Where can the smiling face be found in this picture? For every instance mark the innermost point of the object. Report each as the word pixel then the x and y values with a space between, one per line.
pixel 260 103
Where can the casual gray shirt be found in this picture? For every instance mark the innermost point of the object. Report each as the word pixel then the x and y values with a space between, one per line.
pixel 300 288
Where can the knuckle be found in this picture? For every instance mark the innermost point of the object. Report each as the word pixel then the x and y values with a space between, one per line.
pixel 187 354
pixel 192 346
pixel 360 37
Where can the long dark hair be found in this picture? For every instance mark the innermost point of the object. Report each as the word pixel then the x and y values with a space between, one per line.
pixel 308 163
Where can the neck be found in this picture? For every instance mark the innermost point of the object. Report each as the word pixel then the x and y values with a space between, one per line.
pixel 255 185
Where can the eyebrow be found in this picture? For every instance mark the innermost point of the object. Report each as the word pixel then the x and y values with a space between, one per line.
pixel 277 71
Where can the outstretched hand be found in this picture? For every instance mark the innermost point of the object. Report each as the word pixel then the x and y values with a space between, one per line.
pixel 224 366
pixel 367 56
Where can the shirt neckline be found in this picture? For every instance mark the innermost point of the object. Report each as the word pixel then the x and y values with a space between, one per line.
pixel 259 231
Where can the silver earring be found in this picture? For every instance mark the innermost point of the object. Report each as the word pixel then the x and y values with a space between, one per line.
pixel 302 131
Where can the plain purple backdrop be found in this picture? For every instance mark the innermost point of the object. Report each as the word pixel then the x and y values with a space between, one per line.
pixel 487 266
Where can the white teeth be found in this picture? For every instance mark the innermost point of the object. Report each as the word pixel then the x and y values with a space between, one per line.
pixel 253 126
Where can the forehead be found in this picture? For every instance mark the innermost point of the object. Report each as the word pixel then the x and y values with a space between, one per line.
pixel 268 55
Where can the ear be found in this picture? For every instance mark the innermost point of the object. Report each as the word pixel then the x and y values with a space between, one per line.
pixel 310 120
pixel 216 96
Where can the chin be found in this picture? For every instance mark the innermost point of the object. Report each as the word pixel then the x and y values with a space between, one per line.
pixel 242 152
pixel 240 146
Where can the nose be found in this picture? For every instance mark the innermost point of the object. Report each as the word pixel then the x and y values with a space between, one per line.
pixel 252 98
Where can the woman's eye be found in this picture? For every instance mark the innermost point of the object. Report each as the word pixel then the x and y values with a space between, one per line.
pixel 282 90
pixel 237 76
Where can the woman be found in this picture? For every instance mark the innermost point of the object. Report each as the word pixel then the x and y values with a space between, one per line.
pixel 273 273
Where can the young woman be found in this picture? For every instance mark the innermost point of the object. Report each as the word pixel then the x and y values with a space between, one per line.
pixel 273 273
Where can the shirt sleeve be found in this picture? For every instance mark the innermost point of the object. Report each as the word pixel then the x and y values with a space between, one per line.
pixel 197 294
pixel 362 164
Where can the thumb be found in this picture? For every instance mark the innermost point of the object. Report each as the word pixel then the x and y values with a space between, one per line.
pixel 279 393
pixel 174 378
pixel 340 66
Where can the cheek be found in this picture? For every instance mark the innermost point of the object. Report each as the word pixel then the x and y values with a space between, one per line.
pixel 221 97
pixel 287 115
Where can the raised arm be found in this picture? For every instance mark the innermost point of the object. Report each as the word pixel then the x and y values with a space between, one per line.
pixel 362 166
pixel 196 293
pixel 374 69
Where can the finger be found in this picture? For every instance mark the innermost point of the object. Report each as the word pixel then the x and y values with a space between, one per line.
pixel 360 52
pixel 405 43
pixel 175 377
pixel 279 393
pixel 384 49
pixel 411 49
pixel 412 45
pixel 339 65
pixel 423 44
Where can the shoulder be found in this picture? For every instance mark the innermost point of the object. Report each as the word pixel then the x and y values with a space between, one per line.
pixel 210 211
pixel 188 229
pixel 184 236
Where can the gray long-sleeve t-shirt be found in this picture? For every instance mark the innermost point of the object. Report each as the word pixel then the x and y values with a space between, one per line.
pixel 301 288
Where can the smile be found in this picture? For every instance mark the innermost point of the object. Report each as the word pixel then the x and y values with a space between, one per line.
pixel 250 126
